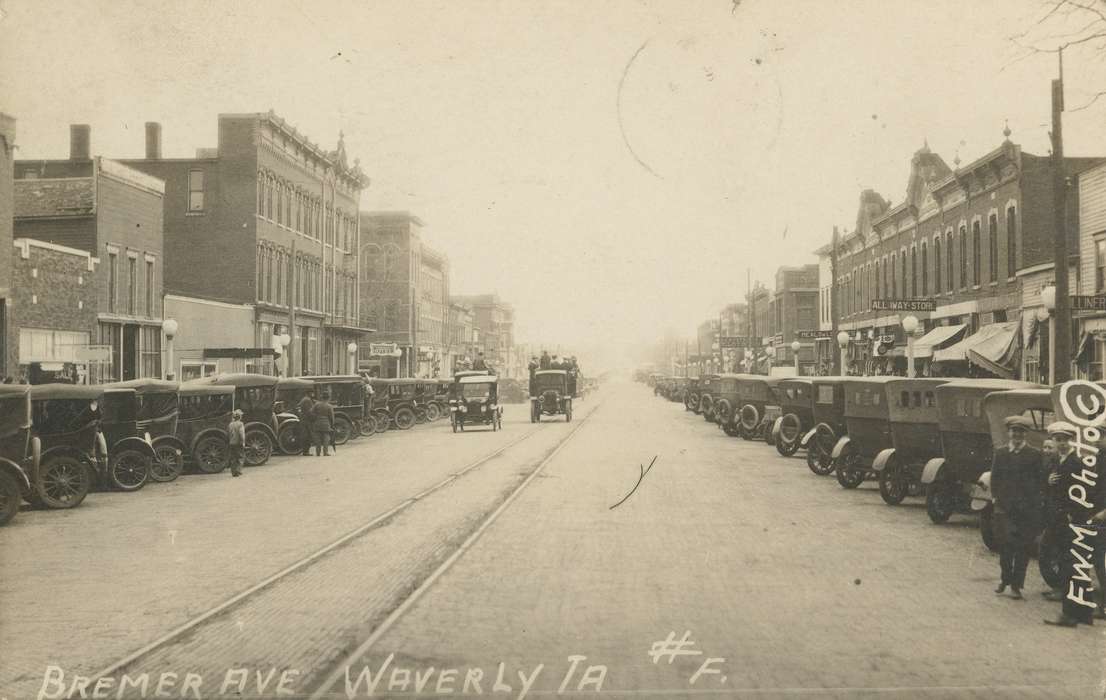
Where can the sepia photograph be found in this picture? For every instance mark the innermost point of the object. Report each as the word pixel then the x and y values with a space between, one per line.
pixel 667 349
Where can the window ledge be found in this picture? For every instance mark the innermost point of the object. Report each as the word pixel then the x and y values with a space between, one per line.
pixel 195 213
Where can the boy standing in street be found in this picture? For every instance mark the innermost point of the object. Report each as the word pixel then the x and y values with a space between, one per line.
pixel 237 435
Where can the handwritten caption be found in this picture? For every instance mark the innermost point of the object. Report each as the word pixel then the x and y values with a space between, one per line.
pixel 1083 404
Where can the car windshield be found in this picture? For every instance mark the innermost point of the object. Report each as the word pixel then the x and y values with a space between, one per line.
pixel 55 416
pixel 255 399
pixel 151 406
pixel 476 391
pixel 550 381
pixel 13 414
pixel 202 406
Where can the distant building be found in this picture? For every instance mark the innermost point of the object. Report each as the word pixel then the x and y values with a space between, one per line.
pixel 1090 353
pixel 494 322
pixel 461 343
pixel 795 308
pixel 405 295
pixel 91 255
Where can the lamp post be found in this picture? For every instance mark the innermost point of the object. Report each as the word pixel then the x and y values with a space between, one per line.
pixel 909 325
pixel 843 343
pixel 352 350
pixel 1048 300
pixel 795 351
pixel 169 327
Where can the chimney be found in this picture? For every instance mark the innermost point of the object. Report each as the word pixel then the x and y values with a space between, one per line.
pixel 80 137
pixel 153 141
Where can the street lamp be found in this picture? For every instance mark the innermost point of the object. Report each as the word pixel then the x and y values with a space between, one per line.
pixel 281 342
pixel 795 351
pixel 1048 301
pixel 169 327
pixel 352 350
pixel 909 325
pixel 842 343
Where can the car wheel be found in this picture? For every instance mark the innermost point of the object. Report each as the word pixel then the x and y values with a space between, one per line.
pixel 343 428
pixel 62 482
pixel 731 429
pixel 383 422
pixel 433 413
pixel 405 418
pixel 167 465
pixel 892 483
pixel 940 496
pixel 791 428
pixel 848 476
pixel 258 448
pixel 211 454
pixel 129 470
pixel 289 439
pixel 987 528
pixel 10 497
pixel 368 426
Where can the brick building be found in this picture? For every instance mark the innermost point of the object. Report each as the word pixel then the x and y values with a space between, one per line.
pixel 794 308
pixel 494 321
pixel 261 240
pixel 114 214
pixel 405 295
pixel 8 344
pixel 1090 352
pixel 972 239
pixel 461 335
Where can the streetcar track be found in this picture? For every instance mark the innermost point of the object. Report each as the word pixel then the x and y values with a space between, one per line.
pixel 322 691
pixel 377 521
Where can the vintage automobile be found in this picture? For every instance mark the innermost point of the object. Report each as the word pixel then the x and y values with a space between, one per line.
pixel 868 426
pixel 88 434
pixel 760 406
pixel 19 452
pixel 551 395
pixel 796 397
pixel 427 408
pixel 915 437
pixel 394 402
pixel 677 389
pixel 158 413
pixel 691 395
pixel 950 479
pixel 726 401
pixel 708 388
pixel 829 424
pixel 1035 405
pixel 289 392
pixel 255 396
pixel 659 383
pixel 205 413
pixel 347 395
pixel 476 402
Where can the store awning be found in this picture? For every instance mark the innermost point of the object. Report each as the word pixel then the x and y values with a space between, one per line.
pixel 936 339
pixel 993 347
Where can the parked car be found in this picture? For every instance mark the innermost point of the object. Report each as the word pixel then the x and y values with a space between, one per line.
pixel 289 392
pixel 915 437
pixel 760 406
pixel 476 402
pixel 708 388
pixel 725 402
pixel 796 397
pixel 19 451
pixel 950 480
pixel 347 395
pixel 158 410
pixel 691 395
pixel 427 408
pixel 395 402
pixel 202 427
pixel 552 396
pixel 868 424
pixel 255 396
pixel 829 424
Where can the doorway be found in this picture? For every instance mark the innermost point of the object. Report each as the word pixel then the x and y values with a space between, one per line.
pixel 130 352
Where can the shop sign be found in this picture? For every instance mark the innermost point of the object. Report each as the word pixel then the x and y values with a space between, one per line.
pixel 904 305
pixel 383 349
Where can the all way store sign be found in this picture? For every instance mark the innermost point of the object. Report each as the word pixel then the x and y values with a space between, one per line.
pixel 920 305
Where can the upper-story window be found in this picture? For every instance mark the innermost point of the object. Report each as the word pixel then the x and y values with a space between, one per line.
pixel 113 279
pixel 951 283
pixel 977 248
pixel 937 265
pixel 925 270
pixel 893 288
pixel 1100 264
pixel 963 257
pixel 132 285
pixel 150 297
pixel 992 245
pixel 902 262
pixel 913 272
pixel 195 190
pixel 1011 241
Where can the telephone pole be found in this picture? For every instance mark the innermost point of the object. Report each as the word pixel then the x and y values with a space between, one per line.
pixel 838 369
pixel 1061 357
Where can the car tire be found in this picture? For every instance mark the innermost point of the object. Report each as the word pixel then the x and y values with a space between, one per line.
pixel 940 498
pixel 367 426
pixel 129 469
pixel 211 454
pixel 167 465
pixel 11 497
pixel 383 422
pixel 405 418
pixel 892 483
pixel 61 482
pixel 343 429
pixel 258 448
pixel 844 467
pixel 289 439
pixel 433 412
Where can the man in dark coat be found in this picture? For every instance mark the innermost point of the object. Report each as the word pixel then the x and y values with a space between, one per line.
pixel 1071 476
pixel 303 410
pixel 1016 488
pixel 546 362
pixel 480 364
pixel 323 414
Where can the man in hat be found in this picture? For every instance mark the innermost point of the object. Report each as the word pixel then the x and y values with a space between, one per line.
pixel 1016 490
pixel 1068 473
pixel 236 436
pixel 480 364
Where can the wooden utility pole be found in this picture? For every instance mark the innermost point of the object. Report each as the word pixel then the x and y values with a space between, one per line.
pixel 1061 357
pixel 289 352
pixel 838 369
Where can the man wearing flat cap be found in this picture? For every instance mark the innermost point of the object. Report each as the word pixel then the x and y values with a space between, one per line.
pixel 1016 489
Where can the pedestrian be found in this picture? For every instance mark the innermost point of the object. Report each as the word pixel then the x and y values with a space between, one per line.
pixel 1051 507
pixel 545 362
pixel 1015 485
pixel 480 364
pixel 1070 477
pixel 236 435
pixel 323 424
pixel 303 410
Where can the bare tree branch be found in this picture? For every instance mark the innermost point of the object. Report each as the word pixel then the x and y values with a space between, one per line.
pixel 1090 102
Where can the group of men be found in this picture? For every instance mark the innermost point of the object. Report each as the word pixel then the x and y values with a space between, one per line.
pixel 552 362
pixel 1031 492
pixel 316 424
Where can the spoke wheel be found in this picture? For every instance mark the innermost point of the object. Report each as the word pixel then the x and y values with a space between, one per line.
pixel 289 439
pixel 10 497
pixel 258 448
pixel 940 501
pixel 167 465
pixel 129 470
pixel 211 454
pixel 383 422
pixel 433 412
pixel 343 428
pixel 405 418
pixel 787 442
pixel 62 482
pixel 368 426
pixel 848 475
pixel 892 483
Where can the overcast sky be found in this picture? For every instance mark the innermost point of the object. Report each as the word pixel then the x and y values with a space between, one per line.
pixel 498 123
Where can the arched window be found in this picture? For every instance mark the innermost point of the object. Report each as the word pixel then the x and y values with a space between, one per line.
pixel 260 192
pixel 925 270
pixel 902 262
pixel 977 248
pixel 893 289
pixel 949 267
pixel 992 246
pixel 963 256
pixel 279 203
pixel 937 264
pixel 913 271
pixel 268 198
pixel 1011 241
pixel 879 282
